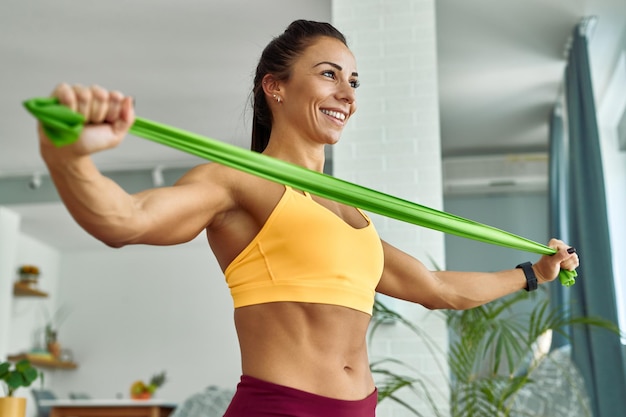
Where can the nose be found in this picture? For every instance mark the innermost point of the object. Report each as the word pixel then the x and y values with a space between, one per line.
pixel 346 92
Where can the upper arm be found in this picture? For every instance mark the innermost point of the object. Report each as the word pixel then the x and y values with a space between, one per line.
pixel 407 278
pixel 177 214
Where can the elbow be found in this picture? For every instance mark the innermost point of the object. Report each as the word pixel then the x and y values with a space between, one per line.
pixel 112 244
pixel 450 302
pixel 432 307
pixel 448 297
pixel 436 303
pixel 117 241
pixel 111 240
pixel 461 303
pixel 441 306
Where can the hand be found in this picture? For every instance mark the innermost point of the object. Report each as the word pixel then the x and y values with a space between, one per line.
pixel 108 117
pixel 548 267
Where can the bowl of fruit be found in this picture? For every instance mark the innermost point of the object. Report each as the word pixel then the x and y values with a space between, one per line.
pixel 140 390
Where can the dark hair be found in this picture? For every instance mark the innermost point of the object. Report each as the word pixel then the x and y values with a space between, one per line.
pixel 277 59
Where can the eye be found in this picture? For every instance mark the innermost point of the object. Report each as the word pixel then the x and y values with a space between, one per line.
pixel 332 75
pixel 329 74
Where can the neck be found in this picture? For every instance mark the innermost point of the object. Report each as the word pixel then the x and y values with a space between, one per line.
pixel 311 157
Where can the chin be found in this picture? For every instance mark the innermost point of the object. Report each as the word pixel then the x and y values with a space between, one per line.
pixel 332 140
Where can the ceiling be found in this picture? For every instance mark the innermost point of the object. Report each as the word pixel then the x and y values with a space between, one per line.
pixel 190 63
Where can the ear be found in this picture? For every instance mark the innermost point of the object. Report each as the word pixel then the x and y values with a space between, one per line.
pixel 271 86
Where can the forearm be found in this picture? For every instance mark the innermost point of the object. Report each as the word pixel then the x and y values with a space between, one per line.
pixel 99 205
pixel 465 290
pixel 407 278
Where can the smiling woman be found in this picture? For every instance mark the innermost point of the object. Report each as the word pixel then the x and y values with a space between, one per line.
pixel 303 270
pixel 313 104
pixel 279 68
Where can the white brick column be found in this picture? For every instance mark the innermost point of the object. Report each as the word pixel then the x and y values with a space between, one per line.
pixel 392 144
pixel 9 236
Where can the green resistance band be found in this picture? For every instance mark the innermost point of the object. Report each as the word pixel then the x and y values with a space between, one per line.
pixel 63 126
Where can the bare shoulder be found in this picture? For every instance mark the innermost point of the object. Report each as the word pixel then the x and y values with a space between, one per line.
pixel 220 177
pixel 237 192
pixel 214 173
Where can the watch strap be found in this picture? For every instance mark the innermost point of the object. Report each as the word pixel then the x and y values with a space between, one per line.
pixel 529 273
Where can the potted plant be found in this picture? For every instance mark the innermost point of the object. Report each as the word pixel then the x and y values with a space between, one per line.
pixel 51 330
pixel 489 359
pixel 29 274
pixel 22 374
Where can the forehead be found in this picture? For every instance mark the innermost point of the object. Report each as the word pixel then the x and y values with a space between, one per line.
pixel 331 50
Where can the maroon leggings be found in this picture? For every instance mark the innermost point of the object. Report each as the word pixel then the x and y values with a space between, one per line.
pixel 257 398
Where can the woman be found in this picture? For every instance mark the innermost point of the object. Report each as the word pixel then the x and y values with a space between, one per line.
pixel 302 270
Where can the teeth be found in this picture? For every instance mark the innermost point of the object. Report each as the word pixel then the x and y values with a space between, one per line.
pixel 335 114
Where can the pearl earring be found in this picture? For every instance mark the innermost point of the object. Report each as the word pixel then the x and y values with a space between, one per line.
pixel 277 98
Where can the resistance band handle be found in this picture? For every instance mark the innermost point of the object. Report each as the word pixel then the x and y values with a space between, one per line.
pixel 567 278
pixel 63 127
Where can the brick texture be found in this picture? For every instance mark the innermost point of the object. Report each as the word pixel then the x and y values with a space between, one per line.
pixel 392 144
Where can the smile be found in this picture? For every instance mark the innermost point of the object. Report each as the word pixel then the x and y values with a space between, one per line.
pixel 335 114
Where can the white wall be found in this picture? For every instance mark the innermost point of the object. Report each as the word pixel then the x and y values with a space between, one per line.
pixel 22 318
pixel 28 315
pixel 9 234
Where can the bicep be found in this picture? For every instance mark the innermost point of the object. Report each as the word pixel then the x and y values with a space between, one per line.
pixel 177 214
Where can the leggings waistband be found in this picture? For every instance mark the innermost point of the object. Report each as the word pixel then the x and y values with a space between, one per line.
pixel 258 398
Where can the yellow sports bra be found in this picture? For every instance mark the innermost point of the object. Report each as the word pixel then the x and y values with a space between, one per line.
pixel 306 253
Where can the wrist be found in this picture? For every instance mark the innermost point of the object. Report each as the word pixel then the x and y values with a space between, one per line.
pixel 63 158
pixel 529 273
pixel 540 279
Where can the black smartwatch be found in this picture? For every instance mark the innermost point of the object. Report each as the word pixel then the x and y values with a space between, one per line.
pixel 529 273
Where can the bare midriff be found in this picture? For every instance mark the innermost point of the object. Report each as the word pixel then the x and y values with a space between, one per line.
pixel 317 348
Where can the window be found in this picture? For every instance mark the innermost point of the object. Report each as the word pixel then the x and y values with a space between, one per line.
pixel 612 127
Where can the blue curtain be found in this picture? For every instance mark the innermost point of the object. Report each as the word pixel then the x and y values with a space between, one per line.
pixel 559 214
pixel 579 213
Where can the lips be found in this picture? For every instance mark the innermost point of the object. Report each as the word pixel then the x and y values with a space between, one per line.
pixel 335 114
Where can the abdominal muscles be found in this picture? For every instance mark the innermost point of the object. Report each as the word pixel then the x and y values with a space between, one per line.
pixel 317 348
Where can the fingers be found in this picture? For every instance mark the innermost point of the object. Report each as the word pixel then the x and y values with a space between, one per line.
pixel 127 115
pixel 66 95
pixel 83 101
pixel 115 106
pixel 571 262
pixel 97 104
pixel 566 255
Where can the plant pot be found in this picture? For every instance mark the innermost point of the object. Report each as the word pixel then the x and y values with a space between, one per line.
pixel 13 407
pixel 29 278
pixel 55 349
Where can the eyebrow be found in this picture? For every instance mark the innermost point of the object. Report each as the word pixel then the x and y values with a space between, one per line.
pixel 332 64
